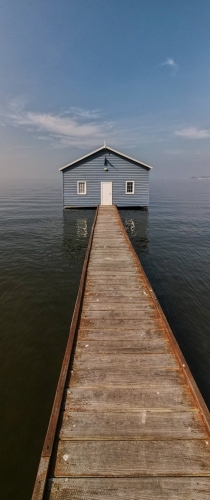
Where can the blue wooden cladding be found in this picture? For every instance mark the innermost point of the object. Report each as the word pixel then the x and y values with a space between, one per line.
pixel 83 180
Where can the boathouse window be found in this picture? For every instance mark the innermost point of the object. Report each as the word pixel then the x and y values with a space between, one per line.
pixel 81 187
pixel 129 187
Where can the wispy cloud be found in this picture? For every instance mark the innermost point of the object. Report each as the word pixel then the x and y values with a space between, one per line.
pixel 171 63
pixel 74 126
pixel 193 133
pixel 173 151
pixel 85 113
pixel 77 127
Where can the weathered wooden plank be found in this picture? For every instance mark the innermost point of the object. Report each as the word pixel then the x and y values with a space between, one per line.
pixel 155 488
pixel 102 305
pixel 101 378
pixel 131 330
pixel 116 252
pixel 99 281
pixel 104 238
pixel 112 258
pixel 112 268
pixel 101 346
pixel 126 264
pixel 103 226
pixel 111 252
pixel 112 323
pixel 94 286
pixel 123 265
pixel 114 295
pixel 114 279
pixel 133 458
pixel 125 313
pixel 143 362
pixel 108 282
pixel 99 250
pixel 109 233
pixel 97 261
pixel 115 230
pixel 114 234
pixel 114 298
pixel 169 396
pixel 116 271
pixel 145 424
pixel 104 282
pixel 111 262
pixel 107 240
pixel 103 260
pixel 133 337
pixel 109 248
pixel 107 224
pixel 109 245
pixel 107 303
pixel 104 235
pixel 117 235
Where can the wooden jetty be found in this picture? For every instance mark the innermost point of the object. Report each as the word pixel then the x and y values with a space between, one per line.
pixel 128 420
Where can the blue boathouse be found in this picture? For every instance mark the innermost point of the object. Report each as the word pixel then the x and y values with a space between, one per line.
pixel 105 177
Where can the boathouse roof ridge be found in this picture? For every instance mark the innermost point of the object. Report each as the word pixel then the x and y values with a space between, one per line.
pixel 106 148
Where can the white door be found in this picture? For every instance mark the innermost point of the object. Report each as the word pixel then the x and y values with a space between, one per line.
pixel 106 193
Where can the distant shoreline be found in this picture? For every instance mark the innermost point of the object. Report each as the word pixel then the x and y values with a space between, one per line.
pixel 201 177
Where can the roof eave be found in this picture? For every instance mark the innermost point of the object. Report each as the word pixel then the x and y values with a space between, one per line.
pixel 82 158
pixel 109 149
pixel 130 158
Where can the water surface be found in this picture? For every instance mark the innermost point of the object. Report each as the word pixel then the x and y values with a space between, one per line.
pixel 42 250
pixel 172 241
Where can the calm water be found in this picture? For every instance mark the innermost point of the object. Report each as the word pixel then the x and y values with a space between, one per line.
pixel 41 255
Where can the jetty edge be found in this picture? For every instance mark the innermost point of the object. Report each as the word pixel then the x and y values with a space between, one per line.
pixel 128 418
pixel 41 477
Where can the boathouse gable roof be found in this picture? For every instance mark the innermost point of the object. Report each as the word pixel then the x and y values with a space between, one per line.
pixel 102 150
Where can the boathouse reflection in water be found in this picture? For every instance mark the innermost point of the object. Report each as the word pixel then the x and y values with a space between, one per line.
pixel 136 225
pixel 77 225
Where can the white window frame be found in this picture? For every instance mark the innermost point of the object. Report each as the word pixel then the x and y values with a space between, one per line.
pixel 78 183
pixel 126 187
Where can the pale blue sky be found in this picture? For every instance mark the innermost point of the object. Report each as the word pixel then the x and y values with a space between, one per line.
pixel 76 73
